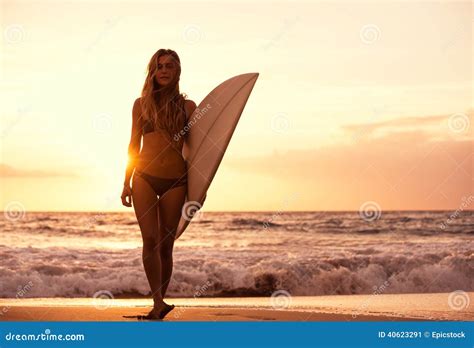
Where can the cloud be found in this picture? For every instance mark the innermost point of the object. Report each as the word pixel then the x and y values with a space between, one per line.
pixel 406 169
pixel 9 171
pixel 415 122
pixel 405 122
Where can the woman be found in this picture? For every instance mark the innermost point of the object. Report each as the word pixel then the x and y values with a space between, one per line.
pixel 160 170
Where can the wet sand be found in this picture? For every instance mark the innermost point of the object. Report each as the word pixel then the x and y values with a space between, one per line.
pixel 387 307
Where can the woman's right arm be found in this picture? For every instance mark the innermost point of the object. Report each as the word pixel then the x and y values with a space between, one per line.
pixel 135 142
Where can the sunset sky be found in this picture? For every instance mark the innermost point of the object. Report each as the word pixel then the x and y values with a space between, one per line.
pixel 355 102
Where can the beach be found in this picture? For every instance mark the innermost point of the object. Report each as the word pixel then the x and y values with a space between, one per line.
pixel 300 266
pixel 389 307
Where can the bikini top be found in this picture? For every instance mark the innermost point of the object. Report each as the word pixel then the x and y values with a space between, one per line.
pixel 147 125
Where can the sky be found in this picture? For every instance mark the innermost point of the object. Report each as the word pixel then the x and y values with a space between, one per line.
pixel 356 102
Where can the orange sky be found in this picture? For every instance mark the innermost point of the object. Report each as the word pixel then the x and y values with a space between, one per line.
pixel 355 102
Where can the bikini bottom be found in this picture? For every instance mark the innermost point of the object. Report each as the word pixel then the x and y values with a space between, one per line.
pixel 161 185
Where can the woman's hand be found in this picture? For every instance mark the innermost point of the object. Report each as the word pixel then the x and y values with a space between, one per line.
pixel 127 192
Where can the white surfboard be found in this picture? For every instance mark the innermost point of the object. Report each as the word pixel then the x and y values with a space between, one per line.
pixel 210 129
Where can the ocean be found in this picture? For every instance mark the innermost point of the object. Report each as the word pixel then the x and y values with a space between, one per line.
pixel 225 254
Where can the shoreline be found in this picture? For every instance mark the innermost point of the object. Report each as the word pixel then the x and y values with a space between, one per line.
pixel 386 307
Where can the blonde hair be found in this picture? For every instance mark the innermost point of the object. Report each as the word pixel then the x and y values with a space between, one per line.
pixel 163 105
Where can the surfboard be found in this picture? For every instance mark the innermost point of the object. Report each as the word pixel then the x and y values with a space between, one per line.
pixel 208 133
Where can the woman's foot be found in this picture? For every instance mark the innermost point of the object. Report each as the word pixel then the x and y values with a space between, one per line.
pixel 158 312
pixel 165 310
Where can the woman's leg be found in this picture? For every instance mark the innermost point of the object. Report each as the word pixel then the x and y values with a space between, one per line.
pixel 170 205
pixel 145 204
